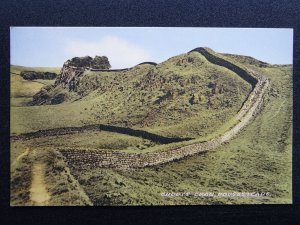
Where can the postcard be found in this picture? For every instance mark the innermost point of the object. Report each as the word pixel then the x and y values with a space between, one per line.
pixel 140 116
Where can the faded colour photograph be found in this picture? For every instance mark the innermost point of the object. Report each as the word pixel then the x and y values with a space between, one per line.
pixel 127 116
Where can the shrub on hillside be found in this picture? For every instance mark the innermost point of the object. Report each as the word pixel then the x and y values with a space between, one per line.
pixel 32 75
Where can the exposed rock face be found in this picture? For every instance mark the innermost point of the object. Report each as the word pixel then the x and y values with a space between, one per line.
pixel 69 78
pixel 32 75
pixel 74 68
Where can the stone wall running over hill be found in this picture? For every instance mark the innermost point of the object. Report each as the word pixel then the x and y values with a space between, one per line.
pixel 120 70
pixel 222 62
pixel 122 160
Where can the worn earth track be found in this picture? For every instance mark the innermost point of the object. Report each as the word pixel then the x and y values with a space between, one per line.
pixel 39 194
pixel 121 160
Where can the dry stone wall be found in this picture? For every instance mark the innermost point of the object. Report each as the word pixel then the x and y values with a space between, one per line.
pixel 123 160
pixel 211 57
pixel 120 70
pixel 54 132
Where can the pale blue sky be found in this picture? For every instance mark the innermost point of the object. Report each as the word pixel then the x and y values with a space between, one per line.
pixel 126 47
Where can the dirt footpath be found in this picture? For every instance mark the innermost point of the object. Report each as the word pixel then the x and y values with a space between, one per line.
pixel 38 191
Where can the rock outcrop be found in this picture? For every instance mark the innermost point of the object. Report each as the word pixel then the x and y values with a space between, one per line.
pixel 69 78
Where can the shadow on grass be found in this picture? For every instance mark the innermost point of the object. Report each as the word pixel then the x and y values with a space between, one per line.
pixel 142 134
pixel 98 127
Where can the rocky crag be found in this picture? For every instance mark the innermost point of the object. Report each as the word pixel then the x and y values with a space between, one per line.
pixel 69 79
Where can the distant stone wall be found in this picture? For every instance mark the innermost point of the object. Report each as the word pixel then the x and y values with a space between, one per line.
pixel 122 160
pixel 109 70
pixel 54 132
pixel 120 70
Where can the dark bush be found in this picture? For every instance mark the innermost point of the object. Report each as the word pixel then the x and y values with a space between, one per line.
pixel 58 99
pixel 32 75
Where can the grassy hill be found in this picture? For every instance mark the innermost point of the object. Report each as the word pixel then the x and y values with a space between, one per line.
pixel 185 96
pixel 17 69
pixel 185 88
pixel 257 160
pixel 23 90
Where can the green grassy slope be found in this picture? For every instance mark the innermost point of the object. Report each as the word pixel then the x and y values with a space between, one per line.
pixel 22 90
pixel 147 97
pixel 61 185
pixel 257 160
pixel 17 69
pixel 88 139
